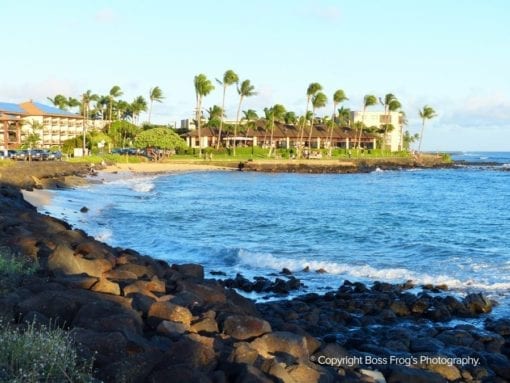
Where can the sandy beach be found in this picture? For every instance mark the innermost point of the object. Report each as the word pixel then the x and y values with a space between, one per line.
pixel 156 167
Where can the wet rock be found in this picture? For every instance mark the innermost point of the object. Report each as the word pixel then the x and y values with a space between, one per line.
pixel 500 326
pixel 242 327
pixel 84 209
pixel 426 345
pixel 478 304
pixel 190 270
pixel 286 271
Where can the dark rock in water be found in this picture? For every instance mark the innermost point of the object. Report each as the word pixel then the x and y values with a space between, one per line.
pixel 306 269
pixel 190 270
pixel 214 272
pixel 478 304
pixel 500 326
pixel 286 271
pixel 321 271
pixel 84 209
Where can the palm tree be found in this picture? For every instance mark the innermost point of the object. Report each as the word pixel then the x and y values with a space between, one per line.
pixel 60 101
pixel 290 118
pixel 244 90
pixel 73 102
pixel 368 100
pixel 427 113
pixel 319 100
pixel 229 78
pixel 155 94
pixel 102 106
pixel 312 89
pixel 391 104
pixel 338 97
pixel 138 106
pixel 114 93
pixel 203 86
pixel 276 113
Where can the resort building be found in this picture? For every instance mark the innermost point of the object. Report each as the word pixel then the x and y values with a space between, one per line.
pixel 393 140
pixel 284 137
pixel 53 125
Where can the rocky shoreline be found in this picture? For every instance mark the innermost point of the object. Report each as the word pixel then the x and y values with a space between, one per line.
pixel 147 321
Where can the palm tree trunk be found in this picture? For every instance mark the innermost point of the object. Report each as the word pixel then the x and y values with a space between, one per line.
pixel 150 112
pixel 421 135
pixel 302 130
pixel 221 117
pixel 310 134
pixel 272 135
pixel 330 152
pixel 199 123
pixel 237 123
pixel 361 127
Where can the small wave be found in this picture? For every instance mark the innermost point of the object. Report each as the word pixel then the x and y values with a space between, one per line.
pixel 104 235
pixel 137 184
pixel 378 170
pixel 367 273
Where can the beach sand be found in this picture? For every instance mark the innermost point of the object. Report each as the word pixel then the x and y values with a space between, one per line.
pixel 37 197
pixel 165 167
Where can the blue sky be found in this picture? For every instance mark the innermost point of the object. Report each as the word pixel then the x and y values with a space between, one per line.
pixel 453 55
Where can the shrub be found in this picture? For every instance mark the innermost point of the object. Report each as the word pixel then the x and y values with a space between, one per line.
pixel 40 354
pixel 12 269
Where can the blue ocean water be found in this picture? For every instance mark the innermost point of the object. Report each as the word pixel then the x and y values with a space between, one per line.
pixel 430 226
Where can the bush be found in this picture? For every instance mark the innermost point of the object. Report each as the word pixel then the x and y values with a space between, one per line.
pixel 12 269
pixel 40 354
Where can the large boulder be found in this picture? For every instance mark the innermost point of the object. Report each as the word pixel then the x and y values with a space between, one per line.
pixel 63 260
pixel 242 327
pixel 106 286
pixel 170 312
pixel 478 304
pixel 281 342
pixel 190 270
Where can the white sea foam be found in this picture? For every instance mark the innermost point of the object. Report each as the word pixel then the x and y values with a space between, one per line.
pixel 104 235
pixel 137 184
pixel 366 272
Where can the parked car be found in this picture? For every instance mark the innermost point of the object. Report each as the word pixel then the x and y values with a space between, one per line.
pixel 39 154
pixel 22 155
pixel 12 154
pixel 54 156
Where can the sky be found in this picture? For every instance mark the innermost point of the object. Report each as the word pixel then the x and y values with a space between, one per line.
pixel 453 55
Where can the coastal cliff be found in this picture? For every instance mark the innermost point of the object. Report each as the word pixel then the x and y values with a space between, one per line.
pixel 144 320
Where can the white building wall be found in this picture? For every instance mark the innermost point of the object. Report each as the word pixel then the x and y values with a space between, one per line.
pixel 370 118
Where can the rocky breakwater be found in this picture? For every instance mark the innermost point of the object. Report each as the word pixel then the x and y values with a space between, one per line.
pixel 355 165
pixel 143 320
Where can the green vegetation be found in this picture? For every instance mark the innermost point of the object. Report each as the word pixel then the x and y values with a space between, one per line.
pixel 12 263
pixel 40 354
pixel 159 138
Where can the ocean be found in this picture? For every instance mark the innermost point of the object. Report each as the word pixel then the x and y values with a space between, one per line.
pixel 440 226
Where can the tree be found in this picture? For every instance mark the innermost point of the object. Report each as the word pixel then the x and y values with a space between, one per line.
pixel 290 118
pixel 122 131
pixel 427 113
pixel 138 106
pixel 244 90
pixel 229 78
pixel 162 138
pixel 368 100
pixel 338 97
pixel 391 104
pixel 101 107
pixel 312 89
pixel 203 87
pixel 60 101
pixel 155 94
pixel 86 99
pixel 319 100
pixel 276 113
pixel 408 139
pixel 73 102
pixel 114 93
pixel 215 116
